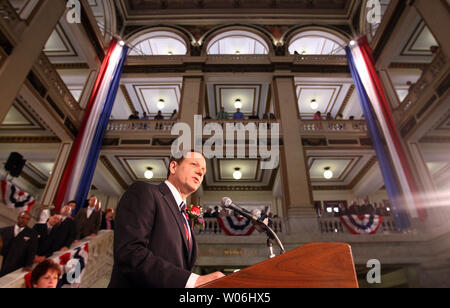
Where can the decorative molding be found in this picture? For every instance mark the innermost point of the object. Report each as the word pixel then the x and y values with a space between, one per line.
pixel 38 139
pixel 114 172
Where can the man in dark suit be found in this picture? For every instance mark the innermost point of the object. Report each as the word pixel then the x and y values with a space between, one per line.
pixel 153 244
pixel 67 231
pixel 89 219
pixel 46 235
pixel 20 245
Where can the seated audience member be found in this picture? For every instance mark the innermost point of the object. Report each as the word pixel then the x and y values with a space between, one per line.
pixel 339 116
pixel 46 235
pixel 45 275
pixel 329 116
pixel 145 116
pixel 254 116
pixel 207 117
pixel 67 231
pixel 134 116
pixel 238 115
pixel 318 116
pixel 20 244
pixel 89 219
pixel 174 115
pixel 272 116
pixel 108 220
pixel 222 114
pixel 159 116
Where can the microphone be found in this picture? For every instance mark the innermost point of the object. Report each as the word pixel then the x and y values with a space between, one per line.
pixel 228 204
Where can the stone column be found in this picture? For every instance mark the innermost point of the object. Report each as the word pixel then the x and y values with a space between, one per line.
pixel 192 94
pixel 57 172
pixel 18 64
pixel 295 175
pixel 436 18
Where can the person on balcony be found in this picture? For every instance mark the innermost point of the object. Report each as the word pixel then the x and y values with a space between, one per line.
pixel 207 117
pixel 20 244
pixel 67 231
pixel 134 116
pixel 254 116
pixel 222 115
pixel 145 116
pixel 318 116
pixel 159 116
pixel 238 115
pixel 174 115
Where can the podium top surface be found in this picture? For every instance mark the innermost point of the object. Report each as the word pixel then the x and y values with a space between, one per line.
pixel 321 265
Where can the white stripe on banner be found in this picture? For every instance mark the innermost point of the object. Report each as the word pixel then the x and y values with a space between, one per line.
pixel 92 124
pixel 371 92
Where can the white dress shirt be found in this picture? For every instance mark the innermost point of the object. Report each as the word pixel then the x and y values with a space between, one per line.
pixel 178 199
pixel 17 230
pixel 89 211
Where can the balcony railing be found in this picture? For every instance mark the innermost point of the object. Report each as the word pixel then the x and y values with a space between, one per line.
pixel 213 228
pixel 333 126
pixel 155 126
pixel 429 79
pixel 330 225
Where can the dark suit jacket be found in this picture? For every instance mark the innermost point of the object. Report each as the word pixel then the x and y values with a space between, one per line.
pixel 88 226
pixel 17 251
pixel 45 239
pixel 150 245
pixel 66 234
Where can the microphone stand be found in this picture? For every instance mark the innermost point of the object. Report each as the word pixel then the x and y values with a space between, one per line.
pixel 271 236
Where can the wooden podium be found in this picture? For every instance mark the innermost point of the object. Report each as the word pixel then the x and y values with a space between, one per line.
pixel 323 265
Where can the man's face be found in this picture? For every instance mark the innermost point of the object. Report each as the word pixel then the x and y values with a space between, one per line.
pixel 66 210
pixel 72 205
pixel 54 220
pixel 189 174
pixel 92 201
pixel 23 220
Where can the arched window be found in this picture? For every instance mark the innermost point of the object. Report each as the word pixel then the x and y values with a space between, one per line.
pixel 316 42
pixel 237 42
pixel 158 43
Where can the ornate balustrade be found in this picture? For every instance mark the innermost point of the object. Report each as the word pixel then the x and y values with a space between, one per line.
pixel 99 265
pixel 419 93
pixel 213 228
pixel 333 126
pixel 149 126
pixel 329 225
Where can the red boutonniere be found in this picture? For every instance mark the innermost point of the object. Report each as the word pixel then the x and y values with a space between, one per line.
pixel 195 213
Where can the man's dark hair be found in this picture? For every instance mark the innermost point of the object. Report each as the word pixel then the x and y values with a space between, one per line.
pixel 181 159
pixel 72 201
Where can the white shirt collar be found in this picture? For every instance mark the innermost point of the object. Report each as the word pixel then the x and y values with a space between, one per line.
pixel 17 230
pixel 175 193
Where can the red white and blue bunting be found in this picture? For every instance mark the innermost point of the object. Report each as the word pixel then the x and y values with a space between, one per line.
pixel 365 224
pixel 15 198
pixel 73 266
pixel 236 226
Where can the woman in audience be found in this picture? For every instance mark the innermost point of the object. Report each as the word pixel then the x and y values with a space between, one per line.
pixel 45 275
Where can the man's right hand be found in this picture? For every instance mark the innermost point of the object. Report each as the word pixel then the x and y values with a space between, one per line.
pixel 208 278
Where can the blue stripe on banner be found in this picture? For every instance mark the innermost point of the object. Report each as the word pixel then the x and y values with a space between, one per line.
pixel 401 218
pixel 94 152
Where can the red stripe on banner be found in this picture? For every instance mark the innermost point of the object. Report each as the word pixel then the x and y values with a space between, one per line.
pixel 62 188
pixel 367 54
pixel 228 232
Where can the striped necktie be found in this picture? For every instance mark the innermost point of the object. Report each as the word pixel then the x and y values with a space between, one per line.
pixel 186 223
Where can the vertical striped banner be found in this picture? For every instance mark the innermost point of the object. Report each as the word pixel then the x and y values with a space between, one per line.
pixel 77 177
pixel 364 73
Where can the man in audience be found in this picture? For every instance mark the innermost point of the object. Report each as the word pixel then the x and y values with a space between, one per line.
pixel 238 115
pixel 89 219
pixel 67 231
pixel 46 235
pixel 20 244
pixel 254 116
pixel 222 114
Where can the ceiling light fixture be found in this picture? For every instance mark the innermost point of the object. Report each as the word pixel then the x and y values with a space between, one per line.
pixel 328 174
pixel 161 104
pixel 237 175
pixel 314 104
pixel 238 103
pixel 149 173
